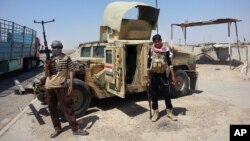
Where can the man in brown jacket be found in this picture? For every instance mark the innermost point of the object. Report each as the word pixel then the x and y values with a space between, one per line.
pixel 58 90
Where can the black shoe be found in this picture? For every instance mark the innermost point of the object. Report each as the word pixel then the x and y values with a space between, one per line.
pixel 56 133
pixel 81 132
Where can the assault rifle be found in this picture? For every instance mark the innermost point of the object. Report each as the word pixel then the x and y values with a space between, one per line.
pixel 149 100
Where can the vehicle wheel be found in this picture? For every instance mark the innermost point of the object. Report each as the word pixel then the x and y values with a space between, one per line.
pixel 182 82
pixel 41 98
pixel 39 94
pixel 81 97
pixel 27 64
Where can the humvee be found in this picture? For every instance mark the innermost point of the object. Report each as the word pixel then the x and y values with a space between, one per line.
pixel 116 65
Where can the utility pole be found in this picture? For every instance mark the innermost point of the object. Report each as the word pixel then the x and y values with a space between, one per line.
pixel 46 51
pixel 156 5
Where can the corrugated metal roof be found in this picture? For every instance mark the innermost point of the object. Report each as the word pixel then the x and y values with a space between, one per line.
pixel 201 23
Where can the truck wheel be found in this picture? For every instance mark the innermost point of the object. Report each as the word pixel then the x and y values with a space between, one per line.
pixel 182 82
pixel 39 94
pixel 41 98
pixel 81 97
pixel 26 64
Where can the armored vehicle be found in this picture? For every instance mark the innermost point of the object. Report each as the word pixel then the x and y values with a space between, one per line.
pixel 116 65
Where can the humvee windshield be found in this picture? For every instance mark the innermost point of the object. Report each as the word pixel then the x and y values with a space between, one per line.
pixel 98 51
pixel 85 52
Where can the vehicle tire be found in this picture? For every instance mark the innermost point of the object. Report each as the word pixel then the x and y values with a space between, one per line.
pixel 27 64
pixel 182 82
pixel 81 96
pixel 39 94
pixel 41 98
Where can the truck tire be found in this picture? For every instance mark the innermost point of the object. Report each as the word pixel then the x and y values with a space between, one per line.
pixel 27 64
pixel 39 93
pixel 182 82
pixel 81 96
pixel 41 98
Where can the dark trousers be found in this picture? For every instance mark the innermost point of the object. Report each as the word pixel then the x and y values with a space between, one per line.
pixel 53 96
pixel 159 86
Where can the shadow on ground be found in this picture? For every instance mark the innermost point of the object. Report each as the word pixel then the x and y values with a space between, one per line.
pixel 176 111
pixel 127 105
pixel 84 123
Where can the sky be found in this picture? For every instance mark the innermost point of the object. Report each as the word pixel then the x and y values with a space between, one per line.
pixel 78 21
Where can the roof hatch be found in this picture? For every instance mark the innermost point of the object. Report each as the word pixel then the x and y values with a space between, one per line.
pixel 131 29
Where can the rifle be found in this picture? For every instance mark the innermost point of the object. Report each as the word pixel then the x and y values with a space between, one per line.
pixel 47 51
pixel 149 100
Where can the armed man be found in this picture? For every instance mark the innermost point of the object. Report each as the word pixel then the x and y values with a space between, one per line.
pixel 58 89
pixel 159 63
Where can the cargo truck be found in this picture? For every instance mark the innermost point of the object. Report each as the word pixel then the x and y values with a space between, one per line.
pixel 19 47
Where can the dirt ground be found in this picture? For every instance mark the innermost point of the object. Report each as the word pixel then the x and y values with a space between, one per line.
pixel 11 102
pixel 222 99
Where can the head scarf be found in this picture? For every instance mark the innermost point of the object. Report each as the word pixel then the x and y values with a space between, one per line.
pixel 164 48
pixel 56 52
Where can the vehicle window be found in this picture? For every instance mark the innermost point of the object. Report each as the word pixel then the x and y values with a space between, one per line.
pixel 98 51
pixel 85 52
pixel 109 56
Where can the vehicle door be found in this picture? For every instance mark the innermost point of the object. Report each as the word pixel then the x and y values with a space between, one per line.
pixel 114 69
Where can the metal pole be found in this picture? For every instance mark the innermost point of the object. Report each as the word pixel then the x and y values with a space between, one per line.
pixel 247 59
pixel 171 42
pixel 185 35
pixel 12 39
pixel 0 32
pixel 44 35
pixel 47 51
pixel 237 37
pixel 229 46
pixel 156 5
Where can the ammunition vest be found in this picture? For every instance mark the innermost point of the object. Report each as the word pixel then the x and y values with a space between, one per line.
pixel 159 62
pixel 58 80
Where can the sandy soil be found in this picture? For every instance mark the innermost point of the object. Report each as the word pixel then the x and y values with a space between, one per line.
pixel 222 99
